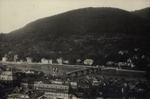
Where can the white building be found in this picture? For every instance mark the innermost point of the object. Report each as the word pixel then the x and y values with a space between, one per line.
pixel 88 62
pixel 4 59
pixel 59 60
pixel 29 59
pixel 53 91
pixel 74 85
pixel 46 61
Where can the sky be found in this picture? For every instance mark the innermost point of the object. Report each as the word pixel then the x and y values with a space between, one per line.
pixel 15 14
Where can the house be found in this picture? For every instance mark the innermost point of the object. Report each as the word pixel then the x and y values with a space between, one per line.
pixel 78 60
pixel 4 59
pixel 15 58
pixel 95 82
pixel 66 61
pixel 129 60
pixel 132 65
pixel 29 72
pixel 121 52
pixel 46 61
pixel 110 63
pixel 73 85
pixel 88 62
pixel 122 63
pixel 143 56
pixel 53 91
pixel 135 57
pixel 29 59
pixel 60 61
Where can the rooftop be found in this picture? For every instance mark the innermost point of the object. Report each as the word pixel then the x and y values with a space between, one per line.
pixel 7 76
pixel 22 96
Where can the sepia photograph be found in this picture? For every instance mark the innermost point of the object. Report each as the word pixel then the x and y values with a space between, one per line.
pixel 74 49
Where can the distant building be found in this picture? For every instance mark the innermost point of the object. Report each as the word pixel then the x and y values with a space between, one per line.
pixel 95 82
pixel 4 59
pixel 29 59
pixel 121 52
pixel 53 91
pixel 74 85
pixel 78 60
pixel 135 57
pixel 60 61
pixel 110 63
pixel 46 61
pixel 129 60
pixel 122 64
pixel 66 61
pixel 143 56
pixel 18 96
pixel 60 82
pixel 88 62
pixel 7 76
pixel 15 58
pixel 29 72
pixel 8 79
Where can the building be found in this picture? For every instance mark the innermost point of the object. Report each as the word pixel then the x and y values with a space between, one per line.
pixel 110 63
pixel 95 82
pixel 60 61
pixel 18 96
pixel 15 58
pixel 60 82
pixel 121 52
pixel 66 61
pixel 88 62
pixel 129 60
pixel 78 60
pixel 74 85
pixel 4 59
pixel 29 71
pixel 7 76
pixel 53 91
pixel 46 61
pixel 122 64
pixel 29 59
pixel 8 79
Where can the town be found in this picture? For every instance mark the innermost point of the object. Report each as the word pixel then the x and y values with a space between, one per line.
pixel 32 84
pixel 71 82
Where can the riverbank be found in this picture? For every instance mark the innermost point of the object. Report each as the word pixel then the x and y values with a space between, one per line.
pixel 67 65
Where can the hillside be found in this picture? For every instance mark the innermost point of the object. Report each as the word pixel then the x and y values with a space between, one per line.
pixel 97 33
pixel 144 13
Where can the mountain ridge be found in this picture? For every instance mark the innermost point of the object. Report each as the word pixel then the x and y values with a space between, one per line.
pixel 82 33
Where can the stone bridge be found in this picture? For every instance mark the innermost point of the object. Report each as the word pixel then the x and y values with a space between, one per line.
pixel 77 73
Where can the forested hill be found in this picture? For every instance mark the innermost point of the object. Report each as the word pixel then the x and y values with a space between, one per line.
pixel 97 33
pixel 95 21
pixel 145 13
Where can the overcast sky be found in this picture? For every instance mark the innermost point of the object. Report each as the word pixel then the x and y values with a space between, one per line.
pixel 15 14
